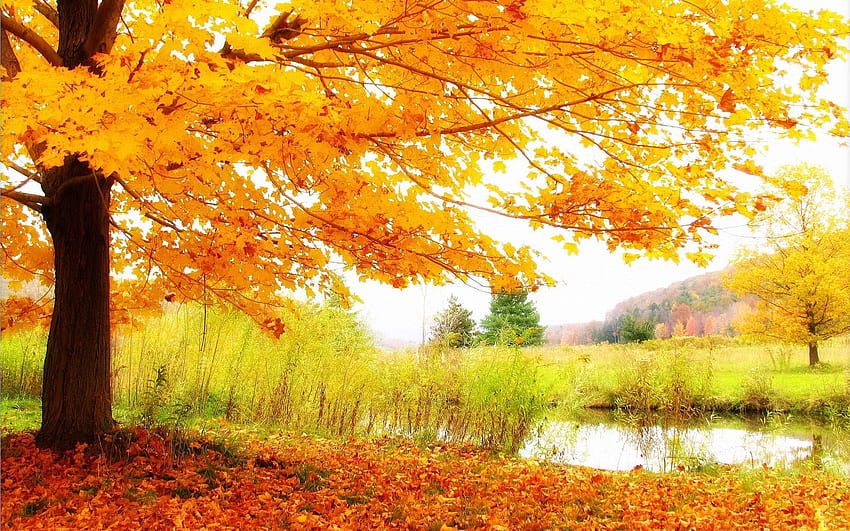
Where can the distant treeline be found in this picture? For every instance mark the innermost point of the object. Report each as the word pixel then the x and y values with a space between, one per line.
pixel 698 306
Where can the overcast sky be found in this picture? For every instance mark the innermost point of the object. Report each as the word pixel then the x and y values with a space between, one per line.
pixel 594 281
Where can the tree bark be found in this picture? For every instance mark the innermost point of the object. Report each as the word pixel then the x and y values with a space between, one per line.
pixel 7 56
pixel 814 359
pixel 77 387
pixel 75 18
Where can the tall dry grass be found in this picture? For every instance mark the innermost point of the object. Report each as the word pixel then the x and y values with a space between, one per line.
pixel 324 375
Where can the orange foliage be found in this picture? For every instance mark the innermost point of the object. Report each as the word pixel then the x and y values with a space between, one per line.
pixel 371 134
pixel 302 483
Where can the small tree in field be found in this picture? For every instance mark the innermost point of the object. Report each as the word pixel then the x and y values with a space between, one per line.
pixel 512 320
pixel 634 329
pixel 801 278
pixel 226 151
pixel 453 327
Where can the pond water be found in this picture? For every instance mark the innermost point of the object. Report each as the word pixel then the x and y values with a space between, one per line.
pixel 617 442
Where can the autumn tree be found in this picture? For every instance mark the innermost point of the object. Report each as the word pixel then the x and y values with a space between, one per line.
pixel 680 316
pixel 709 328
pixel 222 151
pixel 513 320
pixel 453 327
pixel 800 277
pixel 679 330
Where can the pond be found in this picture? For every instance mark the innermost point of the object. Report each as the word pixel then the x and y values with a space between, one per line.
pixel 620 442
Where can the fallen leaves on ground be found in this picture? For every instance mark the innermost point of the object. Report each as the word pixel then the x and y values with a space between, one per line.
pixel 289 482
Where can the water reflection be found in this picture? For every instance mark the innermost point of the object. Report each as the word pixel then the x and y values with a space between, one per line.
pixel 658 444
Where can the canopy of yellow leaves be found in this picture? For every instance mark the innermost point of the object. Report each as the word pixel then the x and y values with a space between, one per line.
pixel 367 134
pixel 799 273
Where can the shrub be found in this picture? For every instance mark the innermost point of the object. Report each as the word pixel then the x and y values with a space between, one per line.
pixel 673 381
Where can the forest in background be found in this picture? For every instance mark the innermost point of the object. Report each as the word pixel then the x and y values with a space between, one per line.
pixel 694 307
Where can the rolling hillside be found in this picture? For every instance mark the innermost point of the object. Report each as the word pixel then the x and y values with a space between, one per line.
pixel 696 306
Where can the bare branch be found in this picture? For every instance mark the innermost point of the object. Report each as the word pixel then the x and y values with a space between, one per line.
pixel 105 27
pixel 32 201
pixel 30 175
pixel 48 11
pixel 32 38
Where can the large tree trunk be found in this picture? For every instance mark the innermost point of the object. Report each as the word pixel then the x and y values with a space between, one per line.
pixel 814 359
pixel 77 388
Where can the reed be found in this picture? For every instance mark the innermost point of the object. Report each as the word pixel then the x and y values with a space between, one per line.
pixel 325 376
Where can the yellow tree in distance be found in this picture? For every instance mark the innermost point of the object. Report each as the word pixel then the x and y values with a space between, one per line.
pixel 205 150
pixel 800 276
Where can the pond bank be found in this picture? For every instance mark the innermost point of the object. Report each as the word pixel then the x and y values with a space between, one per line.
pixel 705 375
pixel 615 440
pixel 824 409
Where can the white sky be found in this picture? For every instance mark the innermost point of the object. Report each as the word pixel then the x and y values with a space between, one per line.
pixel 594 281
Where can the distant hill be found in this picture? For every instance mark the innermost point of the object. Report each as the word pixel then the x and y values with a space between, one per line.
pixel 697 306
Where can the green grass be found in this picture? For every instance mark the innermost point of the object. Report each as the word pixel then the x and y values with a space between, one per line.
pixel 24 414
pixel 715 373
pixel 324 377
pixel 20 414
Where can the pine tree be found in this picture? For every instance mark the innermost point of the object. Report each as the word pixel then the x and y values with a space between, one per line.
pixel 513 320
pixel 634 329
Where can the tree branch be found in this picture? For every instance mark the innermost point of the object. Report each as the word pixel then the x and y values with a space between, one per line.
pixel 32 38
pixel 281 29
pixel 35 151
pixel 30 200
pixel 251 7
pixel 30 175
pixel 142 203
pixel 48 11
pixel 105 27
pixel 8 60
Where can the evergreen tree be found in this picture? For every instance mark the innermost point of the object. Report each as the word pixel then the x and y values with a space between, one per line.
pixel 513 320
pixel 636 329
pixel 606 332
pixel 453 327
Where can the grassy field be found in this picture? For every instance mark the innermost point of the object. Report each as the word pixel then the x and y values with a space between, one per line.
pixel 212 407
pixel 325 377
pixel 712 373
